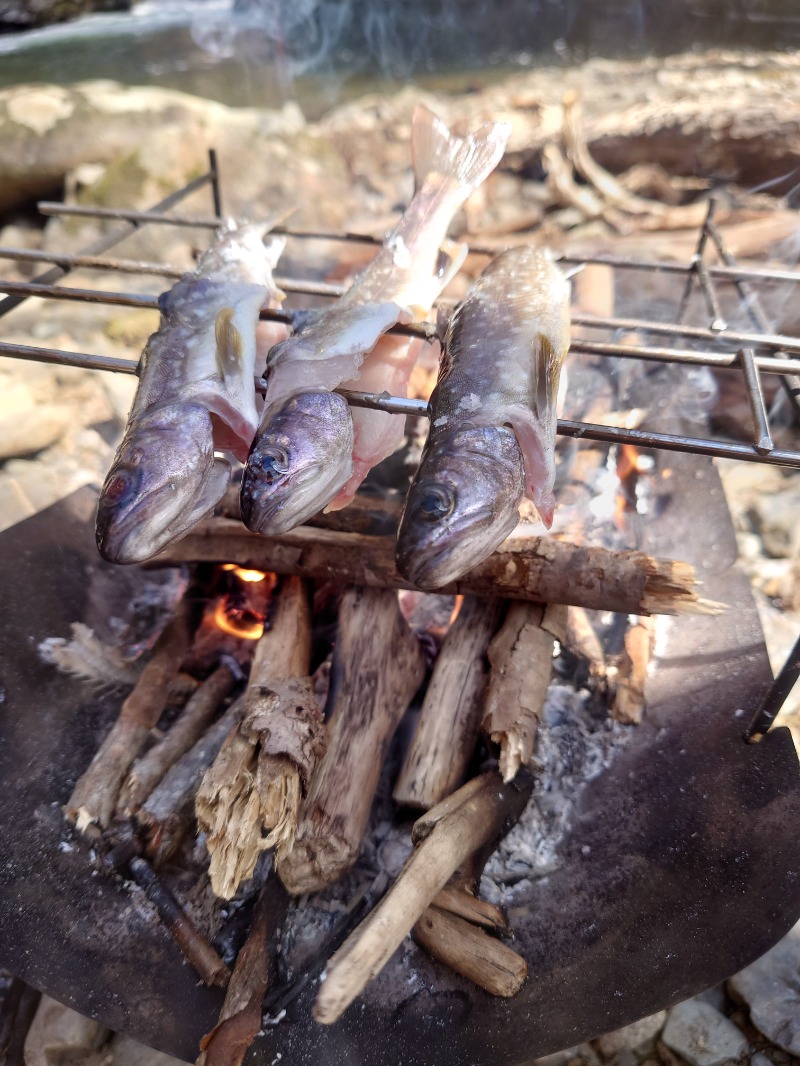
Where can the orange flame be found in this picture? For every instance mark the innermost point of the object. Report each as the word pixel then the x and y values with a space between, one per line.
pixel 456 610
pixel 251 576
pixel 245 626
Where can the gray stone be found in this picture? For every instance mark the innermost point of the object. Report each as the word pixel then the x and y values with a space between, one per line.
pixel 703 1036
pixel 638 1036
pixel 582 1053
pixel 37 429
pixel 14 504
pixel 59 1035
pixel 715 996
pixel 771 990
pixel 128 1052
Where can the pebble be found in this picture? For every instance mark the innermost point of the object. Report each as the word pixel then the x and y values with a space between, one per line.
pixel 32 432
pixel 583 1053
pixel 128 1052
pixel 703 1036
pixel 59 1034
pixel 770 988
pixel 14 504
pixel 638 1037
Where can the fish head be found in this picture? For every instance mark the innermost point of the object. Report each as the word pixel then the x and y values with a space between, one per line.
pixel 164 479
pixel 301 458
pixel 463 502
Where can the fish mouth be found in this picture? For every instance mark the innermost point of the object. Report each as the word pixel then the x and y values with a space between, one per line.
pixel 287 505
pixel 451 553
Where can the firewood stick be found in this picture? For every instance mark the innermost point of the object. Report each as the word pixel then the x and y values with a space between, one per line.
pixel 168 811
pixel 628 703
pixel 189 727
pixel 197 950
pixel 456 899
pixel 263 770
pixel 526 568
pixel 472 818
pixel 450 720
pixel 471 952
pixel 95 795
pixel 582 640
pixel 521 658
pixel 378 666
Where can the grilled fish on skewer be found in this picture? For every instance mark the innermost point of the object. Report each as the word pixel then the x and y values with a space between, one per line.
pixel 398 286
pixel 196 395
pixel 493 419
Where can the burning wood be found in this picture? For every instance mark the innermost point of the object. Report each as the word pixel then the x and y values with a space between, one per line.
pixel 525 567
pixel 469 820
pixel 449 723
pixel 521 657
pixel 378 666
pixel 264 768
pixel 95 795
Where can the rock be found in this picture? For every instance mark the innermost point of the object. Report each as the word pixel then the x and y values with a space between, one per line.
pixel 638 1036
pixel 128 1052
pixel 769 987
pixel 583 1053
pixel 703 1036
pixel 715 996
pixel 14 504
pixel 59 1035
pixel 29 14
pixel 33 431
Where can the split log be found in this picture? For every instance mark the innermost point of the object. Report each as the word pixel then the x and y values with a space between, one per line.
pixel 190 726
pixel 450 719
pixel 471 952
pixel 521 657
pixel 264 769
pixel 95 795
pixel 167 814
pixel 526 568
pixel 471 819
pixel 456 899
pixel 378 666
pixel 628 703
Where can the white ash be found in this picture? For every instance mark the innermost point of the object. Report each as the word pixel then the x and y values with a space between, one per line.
pixel 573 747
pixel 87 658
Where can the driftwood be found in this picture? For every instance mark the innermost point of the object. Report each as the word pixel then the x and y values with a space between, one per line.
pixel 628 702
pixel 471 952
pixel 449 722
pixel 95 795
pixel 167 814
pixel 528 568
pixel 378 666
pixel 190 726
pixel 521 657
pixel 471 819
pixel 250 797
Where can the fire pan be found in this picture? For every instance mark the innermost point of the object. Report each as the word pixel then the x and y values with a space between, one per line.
pixel 681 867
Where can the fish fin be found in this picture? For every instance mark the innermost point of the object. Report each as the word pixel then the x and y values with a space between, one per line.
pixel 451 259
pixel 467 161
pixel 230 346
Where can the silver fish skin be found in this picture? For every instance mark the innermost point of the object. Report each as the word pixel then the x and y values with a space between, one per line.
pixel 463 502
pixel 399 285
pixel 503 353
pixel 196 395
pixel 287 472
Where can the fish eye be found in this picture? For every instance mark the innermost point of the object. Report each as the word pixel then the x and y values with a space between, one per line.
pixel 119 488
pixel 274 462
pixel 437 503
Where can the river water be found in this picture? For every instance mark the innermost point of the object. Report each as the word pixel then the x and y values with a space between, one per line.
pixel 321 52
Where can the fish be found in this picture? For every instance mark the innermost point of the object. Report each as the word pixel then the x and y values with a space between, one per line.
pixel 196 397
pixel 400 285
pixel 493 419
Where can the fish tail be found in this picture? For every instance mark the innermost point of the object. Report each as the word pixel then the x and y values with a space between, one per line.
pixel 467 161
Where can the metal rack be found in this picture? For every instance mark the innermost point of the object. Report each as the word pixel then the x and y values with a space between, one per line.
pixel 753 352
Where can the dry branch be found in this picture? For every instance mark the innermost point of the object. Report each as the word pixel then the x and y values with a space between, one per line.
pixel 457 899
pixel 521 657
pixel 95 795
pixel 471 952
pixel 628 703
pixel 168 811
pixel 582 640
pixel 470 819
pixel 264 769
pixel 190 726
pixel 378 666
pixel 449 722
pixel 527 568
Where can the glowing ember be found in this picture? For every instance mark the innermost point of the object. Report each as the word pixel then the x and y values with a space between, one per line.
pixel 237 622
pixel 456 610
pixel 252 576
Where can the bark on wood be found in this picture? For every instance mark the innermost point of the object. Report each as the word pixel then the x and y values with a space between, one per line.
pixel 527 568
pixel 378 666
pixel 628 704
pixel 210 967
pixel 250 797
pixel 471 952
pixel 449 722
pixel 168 812
pixel 470 819
pixel 95 795
pixel 189 727
pixel 521 657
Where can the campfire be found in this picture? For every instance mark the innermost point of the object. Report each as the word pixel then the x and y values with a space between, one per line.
pixel 352 760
